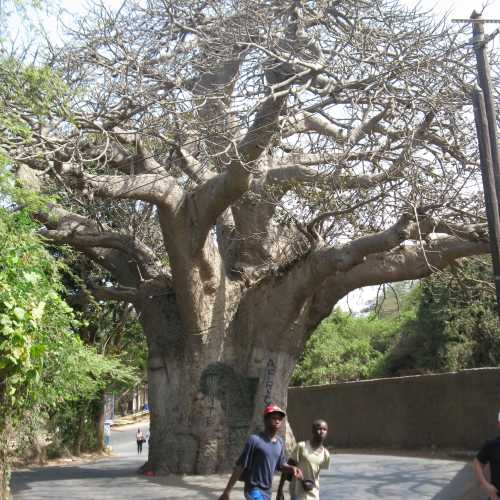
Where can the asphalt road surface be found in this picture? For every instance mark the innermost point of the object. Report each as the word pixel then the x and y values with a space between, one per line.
pixel 352 477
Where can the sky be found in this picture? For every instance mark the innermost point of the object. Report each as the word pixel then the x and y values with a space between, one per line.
pixel 452 9
pixel 459 8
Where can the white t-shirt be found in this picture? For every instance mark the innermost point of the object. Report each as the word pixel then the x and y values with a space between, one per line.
pixel 310 461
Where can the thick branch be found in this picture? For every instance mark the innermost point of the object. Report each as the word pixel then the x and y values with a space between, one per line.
pixel 412 262
pixel 409 262
pixel 301 174
pixel 325 262
pixel 147 289
pixel 106 249
pixel 218 193
pixel 158 189
pixel 128 245
pixel 135 160
pixel 304 159
pixel 309 122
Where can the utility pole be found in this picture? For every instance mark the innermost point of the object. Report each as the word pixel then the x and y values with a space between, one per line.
pixel 488 176
pixel 486 127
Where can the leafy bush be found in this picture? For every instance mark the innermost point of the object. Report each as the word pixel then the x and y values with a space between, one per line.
pixel 447 322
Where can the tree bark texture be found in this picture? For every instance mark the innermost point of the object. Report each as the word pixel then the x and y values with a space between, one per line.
pixel 99 424
pixel 5 470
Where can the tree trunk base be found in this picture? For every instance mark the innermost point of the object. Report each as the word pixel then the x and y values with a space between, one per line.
pixel 5 470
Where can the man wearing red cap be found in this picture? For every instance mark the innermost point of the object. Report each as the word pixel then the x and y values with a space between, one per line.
pixel 262 455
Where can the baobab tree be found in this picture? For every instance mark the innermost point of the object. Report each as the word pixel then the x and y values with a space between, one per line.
pixel 233 169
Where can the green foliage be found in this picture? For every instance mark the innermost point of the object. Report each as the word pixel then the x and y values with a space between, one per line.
pixel 27 90
pixel 34 319
pixel 446 323
pixel 45 359
pixel 41 355
pixel 42 358
pixel 45 367
pixel 344 348
pixel 112 328
pixel 456 324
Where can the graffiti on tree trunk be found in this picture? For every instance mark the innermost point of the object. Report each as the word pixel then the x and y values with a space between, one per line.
pixel 235 393
pixel 269 374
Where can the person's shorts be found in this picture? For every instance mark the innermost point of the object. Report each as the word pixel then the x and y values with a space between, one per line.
pixel 257 494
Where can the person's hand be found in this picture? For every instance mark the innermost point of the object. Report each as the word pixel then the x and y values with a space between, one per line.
pixel 297 473
pixel 224 496
pixel 492 492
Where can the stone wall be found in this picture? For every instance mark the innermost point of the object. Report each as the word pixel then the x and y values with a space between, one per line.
pixel 451 410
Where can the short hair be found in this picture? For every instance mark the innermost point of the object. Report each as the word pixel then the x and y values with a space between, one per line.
pixel 319 421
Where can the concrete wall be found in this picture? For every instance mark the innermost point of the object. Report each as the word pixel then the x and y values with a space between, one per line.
pixel 452 410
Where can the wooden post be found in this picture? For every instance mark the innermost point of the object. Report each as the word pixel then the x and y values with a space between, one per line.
pixel 486 126
pixel 484 80
pixel 490 193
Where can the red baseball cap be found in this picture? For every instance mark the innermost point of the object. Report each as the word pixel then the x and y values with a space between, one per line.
pixel 272 408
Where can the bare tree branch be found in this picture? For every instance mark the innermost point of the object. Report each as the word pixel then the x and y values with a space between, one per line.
pixel 106 248
pixel 157 189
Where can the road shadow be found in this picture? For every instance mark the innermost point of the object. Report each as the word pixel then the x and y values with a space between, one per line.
pixel 392 479
pixel 107 481
pixel 370 478
pixel 463 486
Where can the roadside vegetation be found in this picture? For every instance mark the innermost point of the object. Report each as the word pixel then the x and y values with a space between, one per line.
pixel 58 354
pixel 446 322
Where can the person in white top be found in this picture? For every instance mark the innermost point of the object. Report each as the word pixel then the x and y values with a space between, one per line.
pixel 310 457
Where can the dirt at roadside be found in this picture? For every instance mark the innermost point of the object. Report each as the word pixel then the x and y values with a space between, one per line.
pixel 62 461
pixel 118 425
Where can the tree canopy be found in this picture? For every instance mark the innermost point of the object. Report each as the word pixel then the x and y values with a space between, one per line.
pixel 234 168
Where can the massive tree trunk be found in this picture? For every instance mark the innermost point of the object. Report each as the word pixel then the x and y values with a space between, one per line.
pixel 201 416
pixel 206 395
pixel 242 171
pixel 208 387
pixel 4 466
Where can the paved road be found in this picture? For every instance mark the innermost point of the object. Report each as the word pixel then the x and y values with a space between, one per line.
pixel 352 477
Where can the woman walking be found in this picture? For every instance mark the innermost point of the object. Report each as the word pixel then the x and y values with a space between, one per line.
pixel 139 436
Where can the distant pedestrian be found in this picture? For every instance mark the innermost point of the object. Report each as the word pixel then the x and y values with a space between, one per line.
pixel 310 457
pixel 489 454
pixel 262 455
pixel 139 436
pixel 107 435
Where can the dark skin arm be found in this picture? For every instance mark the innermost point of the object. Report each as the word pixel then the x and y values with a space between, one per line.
pixel 292 470
pixel 232 481
pixel 279 493
pixel 488 488
pixel 287 471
